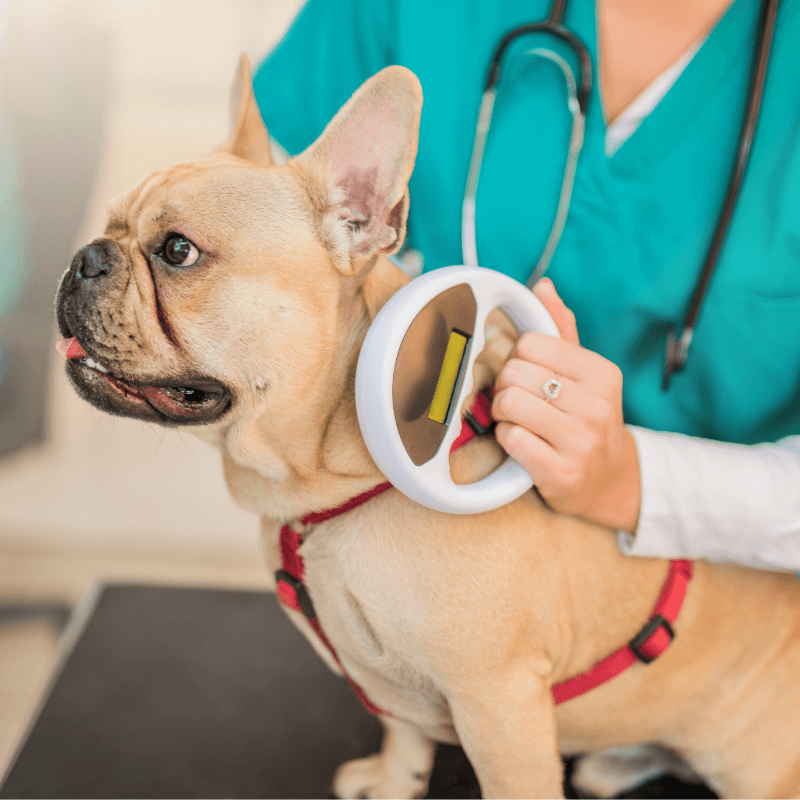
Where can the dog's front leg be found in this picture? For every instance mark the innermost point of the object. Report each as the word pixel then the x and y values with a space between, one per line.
pixel 401 769
pixel 508 730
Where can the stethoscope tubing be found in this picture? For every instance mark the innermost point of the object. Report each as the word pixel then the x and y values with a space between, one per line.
pixel 560 32
pixel 468 231
pixel 677 347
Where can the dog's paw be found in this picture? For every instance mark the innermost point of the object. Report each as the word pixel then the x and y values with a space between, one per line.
pixel 609 773
pixel 373 777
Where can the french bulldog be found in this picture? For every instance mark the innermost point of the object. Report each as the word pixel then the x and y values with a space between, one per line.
pixel 233 295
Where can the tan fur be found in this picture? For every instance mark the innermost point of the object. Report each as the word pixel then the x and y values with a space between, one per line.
pixel 456 625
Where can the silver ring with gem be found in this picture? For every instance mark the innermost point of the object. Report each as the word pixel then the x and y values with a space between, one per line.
pixel 551 389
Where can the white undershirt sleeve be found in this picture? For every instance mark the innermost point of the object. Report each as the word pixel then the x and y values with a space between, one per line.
pixel 717 501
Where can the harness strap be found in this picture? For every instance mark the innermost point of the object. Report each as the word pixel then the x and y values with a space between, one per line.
pixel 316 517
pixel 477 421
pixel 290 587
pixel 292 592
pixel 651 641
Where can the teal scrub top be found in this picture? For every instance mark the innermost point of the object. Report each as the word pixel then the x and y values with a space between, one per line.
pixel 640 221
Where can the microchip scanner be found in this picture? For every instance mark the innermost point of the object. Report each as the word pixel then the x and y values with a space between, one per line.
pixel 414 372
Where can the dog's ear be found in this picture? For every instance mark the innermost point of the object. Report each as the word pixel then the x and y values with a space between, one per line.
pixel 368 150
pixel 249 139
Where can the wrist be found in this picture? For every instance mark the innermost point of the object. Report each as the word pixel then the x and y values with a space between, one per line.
pixel 618 502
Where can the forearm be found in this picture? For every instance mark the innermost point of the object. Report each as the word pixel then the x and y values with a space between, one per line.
pixel 727 502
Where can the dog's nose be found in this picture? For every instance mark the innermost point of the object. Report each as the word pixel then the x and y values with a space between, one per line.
pixel 91 261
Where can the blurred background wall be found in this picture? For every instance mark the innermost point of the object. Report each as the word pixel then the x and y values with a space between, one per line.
pixel 95 94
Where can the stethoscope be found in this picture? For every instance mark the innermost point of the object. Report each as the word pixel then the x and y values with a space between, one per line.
pixel 677 345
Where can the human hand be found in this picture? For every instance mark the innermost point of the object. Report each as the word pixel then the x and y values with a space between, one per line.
pixel 576 447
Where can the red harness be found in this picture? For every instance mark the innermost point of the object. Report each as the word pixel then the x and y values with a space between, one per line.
pixel 651 641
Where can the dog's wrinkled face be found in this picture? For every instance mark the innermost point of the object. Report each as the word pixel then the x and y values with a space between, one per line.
pixel 188 280
pixel 218 281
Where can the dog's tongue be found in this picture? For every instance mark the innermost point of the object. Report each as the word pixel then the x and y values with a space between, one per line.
pixel 69 348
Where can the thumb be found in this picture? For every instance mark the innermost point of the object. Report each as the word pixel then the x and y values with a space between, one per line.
pixel 562 316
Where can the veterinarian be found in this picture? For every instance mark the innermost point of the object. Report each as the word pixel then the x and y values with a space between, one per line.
pixel 710 466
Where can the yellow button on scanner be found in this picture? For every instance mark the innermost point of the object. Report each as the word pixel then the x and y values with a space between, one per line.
pixel 446 384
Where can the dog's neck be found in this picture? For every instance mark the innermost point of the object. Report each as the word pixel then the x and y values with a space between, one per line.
pixel 321 461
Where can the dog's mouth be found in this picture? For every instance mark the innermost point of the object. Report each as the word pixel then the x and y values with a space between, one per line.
pixel 190 402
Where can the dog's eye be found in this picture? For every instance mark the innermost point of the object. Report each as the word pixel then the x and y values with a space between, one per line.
pixel 180 252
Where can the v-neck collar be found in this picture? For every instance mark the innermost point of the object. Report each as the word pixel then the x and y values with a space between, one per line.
pixel 727 49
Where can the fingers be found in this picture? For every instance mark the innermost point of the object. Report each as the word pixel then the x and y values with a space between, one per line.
pixel 520 400
pixel 562 316
pixel 561 357
pixel 519 407
pixel 518 372
pixel 573 445
pixel 565 356
pixel 539 459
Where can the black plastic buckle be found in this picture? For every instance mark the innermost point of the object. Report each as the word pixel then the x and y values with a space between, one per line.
pixel 303 597
pixel 645 633
pixel 477 428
